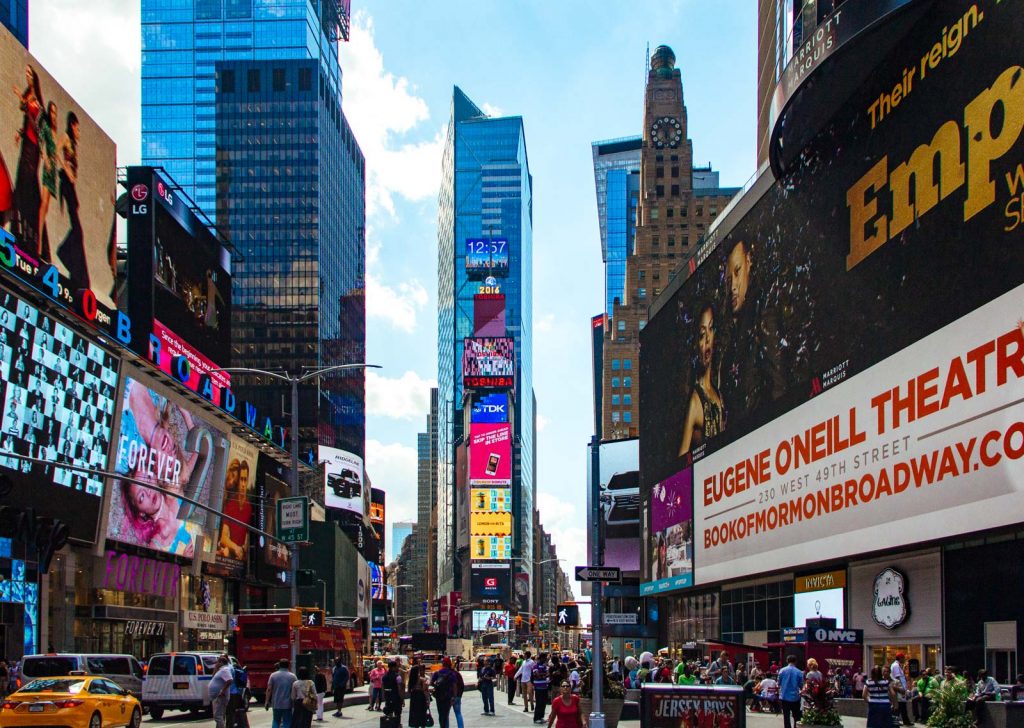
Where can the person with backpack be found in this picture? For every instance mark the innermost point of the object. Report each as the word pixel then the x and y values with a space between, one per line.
pixel 320 684
pixel 443 684
pixel 220 690
pixel 339 683
pixel 541 682
pixel 237 703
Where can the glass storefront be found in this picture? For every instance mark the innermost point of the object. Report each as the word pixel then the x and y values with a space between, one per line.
pixel 764 609
pixel 918 656
pixel 690 618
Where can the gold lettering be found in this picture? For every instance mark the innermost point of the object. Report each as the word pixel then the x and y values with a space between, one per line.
pixel 982 147
pixel 863 210
pixel 926 193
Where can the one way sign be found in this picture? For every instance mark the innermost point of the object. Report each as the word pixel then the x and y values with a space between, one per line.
pixel 598 573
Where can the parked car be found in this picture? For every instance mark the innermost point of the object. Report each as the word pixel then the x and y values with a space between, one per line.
pixel 75 701
pixel 124 670
pixel 178 681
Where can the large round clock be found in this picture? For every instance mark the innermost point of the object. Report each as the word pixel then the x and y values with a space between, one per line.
pixel 666 132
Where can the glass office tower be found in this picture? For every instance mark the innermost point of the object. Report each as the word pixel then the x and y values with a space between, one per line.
pixel 486 191
pixel 14 16
pixel 617 183
pixel 182 40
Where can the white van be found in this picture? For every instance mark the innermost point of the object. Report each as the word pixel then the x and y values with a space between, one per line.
pixel 178 681
pixel 124 670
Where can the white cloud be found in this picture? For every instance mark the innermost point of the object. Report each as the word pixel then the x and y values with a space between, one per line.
pixel 93 49
pixel 406 398
pixel 546 323
pixel 397 305
pixel 381 108
pixel 561 518
pixel 392 466
pixel 542 422
pixel 492 110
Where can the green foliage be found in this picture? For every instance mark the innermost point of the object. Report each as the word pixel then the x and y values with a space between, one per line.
pixel 822 708
pixel 949 706
pixel 610 689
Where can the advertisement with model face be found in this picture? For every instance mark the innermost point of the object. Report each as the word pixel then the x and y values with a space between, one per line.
pixel 239 494
pixel 57 186
pixel 852 349
pixel 490 454
pixel 343 481
pixel 165 443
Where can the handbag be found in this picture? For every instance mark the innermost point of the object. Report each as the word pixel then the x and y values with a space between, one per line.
pixel 430 719
pixel 309 701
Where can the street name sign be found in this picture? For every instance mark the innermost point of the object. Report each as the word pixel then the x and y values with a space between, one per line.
pixel 598 573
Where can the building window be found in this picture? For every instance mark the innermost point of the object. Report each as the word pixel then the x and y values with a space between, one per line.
pixel 671 241
pixel 654 213
pixel 675 190
pixel 659 158
pixel 615 399
pixel 671 212
pixel 615 416
pixel 253 80
pixel 627 416
pixel 655 241
pixel 659 190
pixel 682 212
pixel 700 211
pixel 305 79
pixel 675 157
pixel 278 80
pixel 627 399
pixel 675 171
pixel 627 364
pixel 659 171
pixel 227 81
pixel 615 365
pixel 642 293
pixel 628 381
pixel 622 325
pixel 615 381
pixel 642 274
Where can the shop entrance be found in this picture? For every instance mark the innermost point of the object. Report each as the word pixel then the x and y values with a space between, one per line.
pixel 918 656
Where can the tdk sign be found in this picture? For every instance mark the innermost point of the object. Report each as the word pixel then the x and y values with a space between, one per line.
pixel 491 408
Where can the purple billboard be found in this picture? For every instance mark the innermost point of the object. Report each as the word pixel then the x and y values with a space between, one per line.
pixel 671 543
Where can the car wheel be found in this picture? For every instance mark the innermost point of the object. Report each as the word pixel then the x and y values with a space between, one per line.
pixel 156 713
pixel 95 721
pixel 136 718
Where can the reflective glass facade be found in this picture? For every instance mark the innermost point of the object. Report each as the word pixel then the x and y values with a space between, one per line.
pixel 182 41
pixel 291 197
pixel 14 16
pixel 617 183
pixel 486 191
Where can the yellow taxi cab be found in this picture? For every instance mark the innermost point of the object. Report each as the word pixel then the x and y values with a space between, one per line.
pixel 74 701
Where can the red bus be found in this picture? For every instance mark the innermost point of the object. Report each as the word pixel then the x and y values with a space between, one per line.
pixel 264 637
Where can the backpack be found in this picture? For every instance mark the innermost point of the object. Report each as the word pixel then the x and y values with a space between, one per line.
pixel 442 687
pixel 240 678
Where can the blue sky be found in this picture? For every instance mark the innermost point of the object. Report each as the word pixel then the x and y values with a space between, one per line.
pixel 575 72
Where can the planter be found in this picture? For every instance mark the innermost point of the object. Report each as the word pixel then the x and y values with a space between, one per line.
pixel 612 708
pixel 815 725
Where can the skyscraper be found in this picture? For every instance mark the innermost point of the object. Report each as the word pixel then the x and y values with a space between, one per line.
pixel 423 561
pixel 617 183
pixel 676 204
pixel 486 195
pixel 241 102
pixel 14 16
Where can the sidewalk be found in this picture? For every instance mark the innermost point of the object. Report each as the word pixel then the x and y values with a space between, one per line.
pixel 361 695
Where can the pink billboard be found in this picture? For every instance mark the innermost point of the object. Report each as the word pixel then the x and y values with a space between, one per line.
pixel 490 454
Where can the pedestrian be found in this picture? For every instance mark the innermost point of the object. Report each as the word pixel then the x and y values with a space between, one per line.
pixel 1017 689
pixel 279 695
pixel 238 703
pixel 876 694
pixel 574 678
pixel 510 680
pixel 376 688
pixel 394 694
pixel 721 670
pixel 339 684
pixel 926 686
pixel 220 690
pixel 791 680
pixel 524 675
pixel 812 679
pixel 443 683
pixel 565 709
pixel 986 688
pixel 5 676
pixel 485 684
pixel 460 689
pixel 541 682
pixel 419 699
pixel 899 678
pixel 303 700
pixel 498 665
pixel 320 683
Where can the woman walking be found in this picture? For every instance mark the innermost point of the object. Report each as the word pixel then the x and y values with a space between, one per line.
pixel 303 700
pixel 565 709
pixel 419 699
pixel 876 694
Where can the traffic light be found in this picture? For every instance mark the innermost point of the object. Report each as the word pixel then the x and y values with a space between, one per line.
pixel 533 624
pixel 519 620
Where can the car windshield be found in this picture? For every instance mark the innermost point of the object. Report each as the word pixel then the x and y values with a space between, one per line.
pixel 54 685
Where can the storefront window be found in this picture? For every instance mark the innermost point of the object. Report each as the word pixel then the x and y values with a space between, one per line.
pixel 918 657
pixel 764 608
pixel 691 618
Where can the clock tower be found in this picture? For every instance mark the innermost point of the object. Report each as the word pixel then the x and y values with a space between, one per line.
pixel 671 218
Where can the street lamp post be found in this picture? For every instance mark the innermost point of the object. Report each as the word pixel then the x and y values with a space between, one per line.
pixel 295 381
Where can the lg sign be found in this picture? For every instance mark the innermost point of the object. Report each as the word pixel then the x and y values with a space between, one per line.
pixel 139 194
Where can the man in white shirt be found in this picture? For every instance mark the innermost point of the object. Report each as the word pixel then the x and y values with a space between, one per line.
pixel 902 687
pixel 524 675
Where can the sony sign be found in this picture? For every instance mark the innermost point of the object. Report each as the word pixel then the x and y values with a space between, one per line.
pixel 890 607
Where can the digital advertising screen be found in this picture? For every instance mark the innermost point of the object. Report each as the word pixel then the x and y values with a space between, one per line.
pixel 163 442
pixel 490 621
pixel 57 189
pixel 490 500
pixel 275 556
pixel 488 314
pixel 490 524
pixel 491 584
pixel 238 500
pixel 490 548
pixel 179 273
pixel 828 603
pixel 619 504
pixel 487 257
pixel 376 581
pixel 343 481
pixel 59 392
pixel 886 267
pixel 490 455
pixel 489 363
pixel 377 511
pixel 692 706
pixel 671 542
pixel 490 408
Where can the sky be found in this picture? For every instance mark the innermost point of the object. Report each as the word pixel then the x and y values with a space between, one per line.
pixel 575 71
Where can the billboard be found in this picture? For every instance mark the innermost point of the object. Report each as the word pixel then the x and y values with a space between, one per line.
pixel 490 548
pixel 490 524
pixel 377 496
pixel 239 496
pixel 57 189
pixel 343 481
pixel 692 706
pixel 58 391
pixel 488 363
pixel 487 257
pixel 178 272
pixel 163 442
pixel 275 557
pixel 488 314
pixel 619 504
pixel 671 544
pixel 485 620
pixel 376 581
pixel 491 583
pixel 847 353
pixel 490 500
pixel 490 408
pixel 490 454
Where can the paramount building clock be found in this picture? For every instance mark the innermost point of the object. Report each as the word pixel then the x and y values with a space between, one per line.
pixel 666 132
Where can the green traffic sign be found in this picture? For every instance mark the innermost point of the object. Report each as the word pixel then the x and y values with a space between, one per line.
pixel 293 519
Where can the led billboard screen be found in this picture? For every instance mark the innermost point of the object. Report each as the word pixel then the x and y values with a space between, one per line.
pixel 489 363
pixel 490 524
pixel 490 500
pixel 671 545
pixel 165 443
pixel 377 501
pixel 619 504
pixel 488 314
pixel 57 188
pixel 343 481
pixel 490 548
pixel 490 454
pixel 491 584
pixel 490 621
pixel 58 391
pixel 487 257
pixel 492 408
pixel 274 556
pixel 239 496
pixel 869 302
